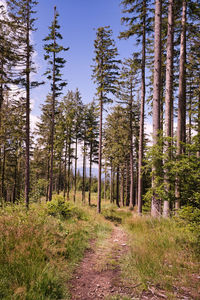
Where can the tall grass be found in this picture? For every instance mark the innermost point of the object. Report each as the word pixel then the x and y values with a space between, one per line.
pixel 40 248
pixel 161 254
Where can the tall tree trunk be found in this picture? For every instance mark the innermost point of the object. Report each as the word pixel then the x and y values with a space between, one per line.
pixel 1 104
pixel 127 184
pixel 59 175
pixel 105 184
pixel 169 100
pixel 156 202
pixel 3 192
pixel 75 169
pixel 198 128
pixel 141 134
pixel 122 186
pixel 111 184
pixel 131 202
pixel 84 164
pixel 190 119
pixel 90 175
pixel 53 115
pixel 27 169
pixel 68 173
pixel 117 187
pixel 181 129
pixel 100 153
pixel 48 169
pixel 15 182
pixel 65 171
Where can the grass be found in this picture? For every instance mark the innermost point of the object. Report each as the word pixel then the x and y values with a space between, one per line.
pixel 162 254
pixel 39 249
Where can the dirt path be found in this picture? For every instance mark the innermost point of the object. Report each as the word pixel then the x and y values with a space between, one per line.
pixel 98 276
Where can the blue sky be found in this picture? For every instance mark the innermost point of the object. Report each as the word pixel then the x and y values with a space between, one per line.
pixel 79 20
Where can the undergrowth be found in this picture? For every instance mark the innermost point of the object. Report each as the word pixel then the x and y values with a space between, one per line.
pixel 39 249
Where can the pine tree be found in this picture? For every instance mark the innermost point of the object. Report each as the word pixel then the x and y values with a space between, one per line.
pixel 21 16
pixel 156 202
pixel 169 99
pixel 53 73
pixel 105 73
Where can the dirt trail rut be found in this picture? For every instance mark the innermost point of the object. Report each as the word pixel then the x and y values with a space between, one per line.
pixel 98 275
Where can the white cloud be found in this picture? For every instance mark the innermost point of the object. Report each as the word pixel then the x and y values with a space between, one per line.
pixel 33 120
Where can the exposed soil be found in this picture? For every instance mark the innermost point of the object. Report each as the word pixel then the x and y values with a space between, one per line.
pixel 99 274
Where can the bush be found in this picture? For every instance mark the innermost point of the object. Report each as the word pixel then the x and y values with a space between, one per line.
pixel 189 219
pixel 59 208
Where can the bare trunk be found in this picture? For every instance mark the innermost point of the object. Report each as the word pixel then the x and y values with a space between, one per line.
pixel 117 188
pixel 15 183
pixel 48 169
pixel 1 104
pixel 169 99
pixel 27 162
pixel 122 187
pixel 156 202
pixel 111 184
pixel 68 173
pixel 105 185
pixel 181 129
pixel 141 134
pixel 131 202
pixel 3 175
pixel 198 152
pixel 65 171
pixel 59 176
pixel 90 176
pixel 100 154
pixel 75 171
pixel 127 184
pixel 84 163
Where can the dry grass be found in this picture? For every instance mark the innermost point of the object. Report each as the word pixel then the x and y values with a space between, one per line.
pixel 38 252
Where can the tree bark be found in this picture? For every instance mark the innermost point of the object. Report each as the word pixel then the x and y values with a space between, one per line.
pixel 105 185
pixel 131 202
pixel 48 169
pixel 181 129
pixel 127 184
pixel 111 184
pixel 27 162
pixel 122 186
pixel 156 202
pixel 65 171
pixel 59 176
pixel 198 130
pixel 100 153
pixel 141 134
pixel 68 173
pixel 169 100
pixel 3 175
pixel 75 169
pixel 84 164
pixel 117 188
pixel 90 175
